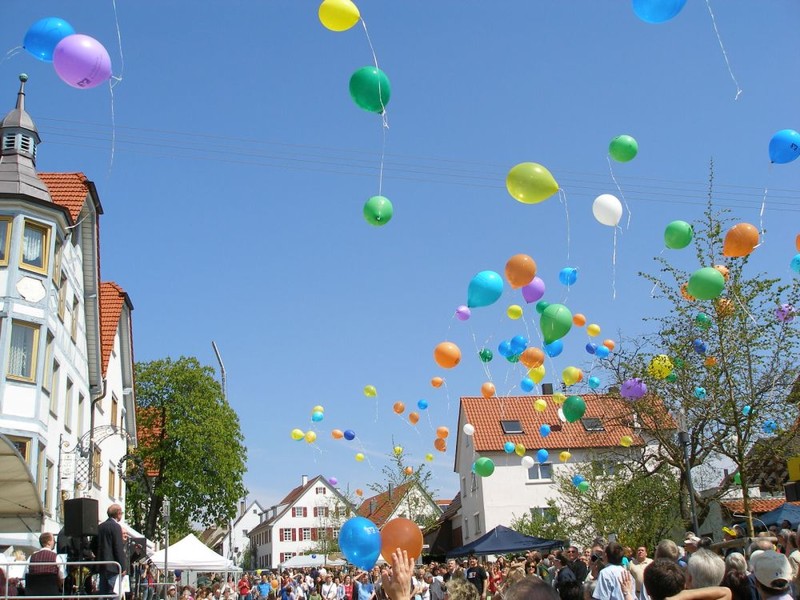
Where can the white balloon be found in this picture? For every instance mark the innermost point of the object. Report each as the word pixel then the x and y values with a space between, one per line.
pixel 527 461
pixel 607 209
pixel 469 429
pixel 561 416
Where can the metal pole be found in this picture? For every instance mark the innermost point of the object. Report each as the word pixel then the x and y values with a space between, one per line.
pixel 165 515
pixel 683 437
pixel 223 377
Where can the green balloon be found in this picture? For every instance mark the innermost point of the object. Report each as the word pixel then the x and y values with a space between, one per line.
pixel 541 305
pixel 706 283
pixel 623 148
pixel 513 358
pixel 672 377
pixel 378 211
pixel 483 466
pixel 370 89
pixel 573 408
pixel 703 320
pixel 555 322
pixel 486 355
pixel 678 234
pixel 678 363
pixel 737 478
pixel 583 486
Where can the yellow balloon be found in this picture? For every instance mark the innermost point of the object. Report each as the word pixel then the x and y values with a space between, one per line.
pixel 298 434
pixel 429 457
pixel 537 373
pixel 317 408
pixel 398 450
pixel 593 329
pixel 311 437
pixel 660 366
pixel 514 311
pixel 359 457
pixel 519 449
pixel 625 441
pixel 559 398
pixel 530 183
pixel 370 391
pixel 338 15
pixel 540 405
pixel 571 375
pixel 565 456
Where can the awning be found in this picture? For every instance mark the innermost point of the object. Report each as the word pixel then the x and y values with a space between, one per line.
pixel 502 540
pixel 20 505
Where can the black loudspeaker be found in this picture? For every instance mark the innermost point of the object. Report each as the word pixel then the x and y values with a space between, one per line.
pixel 792 490
pixel 80 517
pixel 547 389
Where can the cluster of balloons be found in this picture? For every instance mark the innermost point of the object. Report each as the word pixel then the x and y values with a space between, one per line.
pixel 79 60
pixel 579 481
pixel 362 542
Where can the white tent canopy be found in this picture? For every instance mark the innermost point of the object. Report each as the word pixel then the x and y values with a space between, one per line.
pixel 20 506
pixel 190 554
pixel 311 560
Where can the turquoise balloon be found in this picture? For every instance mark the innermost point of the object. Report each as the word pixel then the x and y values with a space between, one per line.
pixel 657 11
pixel 555 322
pixel 370 89
pixel 43 36
pixel 706 283
pixel 484 289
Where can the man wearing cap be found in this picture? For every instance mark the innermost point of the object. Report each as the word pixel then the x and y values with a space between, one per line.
pixel 172 592
pixel 690 545
pixel 773 575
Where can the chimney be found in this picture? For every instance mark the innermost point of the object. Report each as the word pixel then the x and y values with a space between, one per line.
pixel 304 480
pixel 242 507
pixel 372 506
pixel 547 389
pixel 390 491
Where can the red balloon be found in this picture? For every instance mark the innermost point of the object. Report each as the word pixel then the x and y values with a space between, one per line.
pixel 401 533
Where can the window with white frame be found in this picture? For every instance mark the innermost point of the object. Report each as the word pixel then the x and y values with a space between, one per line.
pixel 81 422
pixel 322 533
pixel 477 519
pixel 297 511
pixel 320 490
pixel 57 254
pixel 22 355
pixel 68 399
pixel 335 533
pixel 286 534
pixel 35 247
pixel 47 377
pixel 73 326
pixel 473 483
pixel 541 471
pixel 306 534
pixel 62 296
pixel 55 391
pixel 546 512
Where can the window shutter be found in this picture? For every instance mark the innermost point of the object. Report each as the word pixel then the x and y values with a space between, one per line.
pixel 329 533
pixel 313 534
pixel 305 511
pixel 282 557
pixel 294 534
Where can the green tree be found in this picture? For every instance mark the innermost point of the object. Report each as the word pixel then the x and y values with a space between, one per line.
pixel 729 392
pixel 547 525
pixel 190 449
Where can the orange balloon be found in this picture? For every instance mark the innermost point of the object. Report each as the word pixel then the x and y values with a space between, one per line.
pixel 274 584
pixel 487 389
pixel 579 375
pixel 337 434
pixel 609 344
pixel 710 361
pixel 413 418
pixel 685 293
pixel 532 357
pixel 723 270
pixel 408 471
pixel 442 432
pixel 447 355
pixel 797 242
pixel 401 533
pixel 520 270
pixel 578 320
pixel 359 492
pixel 399 408
pixel 725 307
pixel 437 382
pixel 440 444
pixel 740 240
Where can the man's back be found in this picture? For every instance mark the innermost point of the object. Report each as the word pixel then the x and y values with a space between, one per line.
pixel 609 586
pixel 109 546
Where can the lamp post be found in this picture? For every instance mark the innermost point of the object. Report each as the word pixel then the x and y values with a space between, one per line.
pixel 165 517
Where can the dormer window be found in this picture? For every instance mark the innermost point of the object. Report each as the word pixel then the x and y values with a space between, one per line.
pixel 21 142
pixel 511 427
pixel 592 424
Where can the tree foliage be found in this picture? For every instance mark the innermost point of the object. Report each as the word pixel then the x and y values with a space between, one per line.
pixel 729 392
pixel 190 449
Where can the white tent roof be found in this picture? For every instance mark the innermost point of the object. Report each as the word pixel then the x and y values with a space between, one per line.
pixel 20 506
pixel 311 560
pixel 191 554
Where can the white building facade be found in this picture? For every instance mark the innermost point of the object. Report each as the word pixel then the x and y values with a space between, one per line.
pixel 236 542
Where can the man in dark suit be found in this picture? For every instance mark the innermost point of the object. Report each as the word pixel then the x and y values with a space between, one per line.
pixel 111 548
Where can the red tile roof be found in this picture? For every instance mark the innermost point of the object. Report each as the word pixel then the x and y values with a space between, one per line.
pixel 293 495
pixel 379 508
pixel 757 505
pixel 149 428
pixel 485 415
pixel 68 190
pixel 112 299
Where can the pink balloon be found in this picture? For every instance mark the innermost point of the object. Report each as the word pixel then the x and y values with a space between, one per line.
pixel 81 61
pixel 533 291
pixel 463 313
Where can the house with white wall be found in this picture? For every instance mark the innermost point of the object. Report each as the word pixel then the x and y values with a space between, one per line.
pixel 514 490
pixel 304 519
pixel 66 361
pixel 236 540
pixel 407 500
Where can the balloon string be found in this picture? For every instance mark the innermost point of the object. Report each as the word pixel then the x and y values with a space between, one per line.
pixel 614 266
pixel 113 128
pixel 763 208
pixel 562 195
pixel 11 53
pixel 724 53
pixel 744 308
pixel 119 44
pixel 384 116
pixel 619 189
pixel 655 285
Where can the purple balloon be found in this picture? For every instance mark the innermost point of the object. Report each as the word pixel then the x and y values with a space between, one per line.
pixel 333 481
pixel 633 389
pixel 785 313
pixel 533 291
pixel 81 61
pixel 463 313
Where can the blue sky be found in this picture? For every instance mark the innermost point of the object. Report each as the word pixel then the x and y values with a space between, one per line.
pixel 241 165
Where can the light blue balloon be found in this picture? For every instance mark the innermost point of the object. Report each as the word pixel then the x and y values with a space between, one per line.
pixel 360 542
pixel 554 348
pixel 544 430
pixel 422 404
pixel 504 348
pixel 657 11
pixel 700 393
pixel 484 289
pixel 43 36
pixel 568 276
pixel 518 344
pixel 784 146
pixel 602 352
pixel 746 410
pixel 542 455
pixel 509 447
pixel 577 480
pixel 795 264
pixel 594 382
pixel 526 385
pixel 317 416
